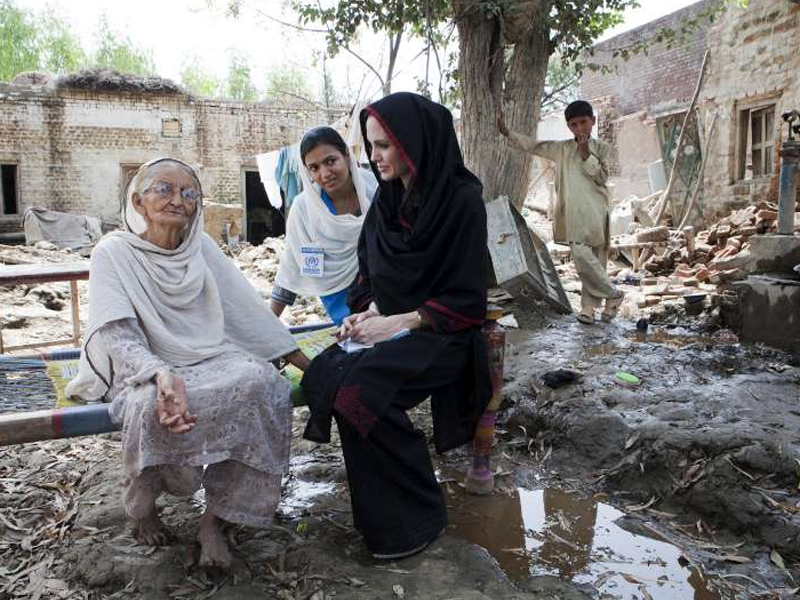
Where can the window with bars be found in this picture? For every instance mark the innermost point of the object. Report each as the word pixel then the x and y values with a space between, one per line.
pixel 756 142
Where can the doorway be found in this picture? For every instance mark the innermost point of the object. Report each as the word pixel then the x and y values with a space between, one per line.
pixel 263 220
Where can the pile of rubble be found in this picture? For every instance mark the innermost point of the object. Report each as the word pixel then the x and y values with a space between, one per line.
pixel 260 265
pixel 41 312
pixel 688 263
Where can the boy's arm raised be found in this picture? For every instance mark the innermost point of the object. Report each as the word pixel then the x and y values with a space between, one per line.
pixel 548 150
pixel 596 165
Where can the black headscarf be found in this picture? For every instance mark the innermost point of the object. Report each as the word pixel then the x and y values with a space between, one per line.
pixel 424 248
pixel 420 249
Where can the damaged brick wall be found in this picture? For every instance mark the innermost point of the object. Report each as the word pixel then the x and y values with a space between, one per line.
pixel 71 146
pixel 661 76
pixel 608 113
pixel 754 63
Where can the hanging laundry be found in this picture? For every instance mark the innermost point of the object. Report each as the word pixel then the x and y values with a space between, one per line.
pixel 287 173
pixel 267 164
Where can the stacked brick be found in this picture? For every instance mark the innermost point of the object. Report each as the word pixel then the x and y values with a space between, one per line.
pixel 720 254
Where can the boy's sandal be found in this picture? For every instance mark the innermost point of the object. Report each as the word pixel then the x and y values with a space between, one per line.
pixel 586 316
pixel 611 307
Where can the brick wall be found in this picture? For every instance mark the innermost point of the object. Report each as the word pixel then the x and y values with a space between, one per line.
pixel 70 144
pixel 662 76
pixel 754 61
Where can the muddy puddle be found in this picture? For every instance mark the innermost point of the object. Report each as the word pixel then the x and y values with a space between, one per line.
pixel 669 339
pixel 593 343
pixel 299 495
pixel 552 532
pixel 678 338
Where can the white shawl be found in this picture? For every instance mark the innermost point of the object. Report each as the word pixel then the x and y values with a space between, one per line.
pixel 310 223
pixel 192 304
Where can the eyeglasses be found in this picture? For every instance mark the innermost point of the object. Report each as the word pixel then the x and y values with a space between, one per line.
pixel 164 191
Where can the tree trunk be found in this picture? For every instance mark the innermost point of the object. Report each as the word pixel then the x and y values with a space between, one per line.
pixel 485 79
pixel 394 49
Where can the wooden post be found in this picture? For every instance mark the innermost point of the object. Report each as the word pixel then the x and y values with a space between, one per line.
pixel 688 233
pixel 635 257
pixel 76 312
pixel 480 478
pixel 679 146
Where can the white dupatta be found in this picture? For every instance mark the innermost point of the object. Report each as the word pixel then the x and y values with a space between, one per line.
pixel 310 223
pixel 192 304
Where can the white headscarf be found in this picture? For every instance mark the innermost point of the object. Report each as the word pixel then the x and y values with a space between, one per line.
pixel 310 223
pixel 192 303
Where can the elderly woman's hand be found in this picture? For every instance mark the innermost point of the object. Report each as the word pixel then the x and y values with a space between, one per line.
pixel 172 406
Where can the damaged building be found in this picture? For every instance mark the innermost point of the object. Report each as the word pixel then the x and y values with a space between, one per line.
pixel 732 183
pixel 750 82
pixel 70 145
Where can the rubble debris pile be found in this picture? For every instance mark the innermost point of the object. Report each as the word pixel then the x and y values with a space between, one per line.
pixel 684 262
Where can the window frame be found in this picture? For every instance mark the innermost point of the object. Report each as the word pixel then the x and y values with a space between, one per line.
pixel 743 139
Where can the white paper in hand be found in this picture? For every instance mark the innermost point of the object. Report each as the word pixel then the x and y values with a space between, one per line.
pixel 349 345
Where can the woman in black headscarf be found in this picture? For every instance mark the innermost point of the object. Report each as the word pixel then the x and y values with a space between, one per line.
pixel 419 302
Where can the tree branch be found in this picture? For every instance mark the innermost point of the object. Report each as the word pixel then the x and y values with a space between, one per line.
pixel 551 95
pixel 287 24
pixel 303 98
pixel 366 64
pixel 326 32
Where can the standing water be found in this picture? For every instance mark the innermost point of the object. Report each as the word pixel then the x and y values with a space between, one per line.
pixel 552 532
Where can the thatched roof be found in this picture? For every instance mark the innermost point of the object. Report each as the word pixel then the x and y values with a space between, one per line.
pixel 31 78
pixel 114 81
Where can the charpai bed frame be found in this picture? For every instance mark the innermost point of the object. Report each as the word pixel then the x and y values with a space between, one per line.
pixel 40 379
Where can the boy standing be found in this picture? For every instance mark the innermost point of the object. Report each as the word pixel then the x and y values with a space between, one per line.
pixel 581 212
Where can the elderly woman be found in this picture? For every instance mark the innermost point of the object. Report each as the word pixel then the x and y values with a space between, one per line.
pixel 418 304
pixel 181 345
pixel 325 221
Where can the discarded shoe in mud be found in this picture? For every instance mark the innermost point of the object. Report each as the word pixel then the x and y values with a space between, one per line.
pixel 560 378
pixel 627 379
pixel 612 305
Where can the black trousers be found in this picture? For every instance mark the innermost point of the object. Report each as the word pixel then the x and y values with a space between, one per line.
pixel 397 501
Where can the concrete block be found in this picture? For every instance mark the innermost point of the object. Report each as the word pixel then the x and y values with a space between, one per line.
pixel 747 231
pixel 774 253
pixel 730 260
pixel 767 311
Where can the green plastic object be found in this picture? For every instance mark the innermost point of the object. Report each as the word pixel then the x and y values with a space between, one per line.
pixel 627 379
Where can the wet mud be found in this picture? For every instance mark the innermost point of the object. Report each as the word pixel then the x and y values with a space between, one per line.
pixel 535 532
pixel 682 487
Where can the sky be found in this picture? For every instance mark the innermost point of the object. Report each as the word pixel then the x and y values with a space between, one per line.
pixel 177 30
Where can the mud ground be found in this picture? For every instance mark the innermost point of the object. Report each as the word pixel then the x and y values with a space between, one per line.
pixel 684 487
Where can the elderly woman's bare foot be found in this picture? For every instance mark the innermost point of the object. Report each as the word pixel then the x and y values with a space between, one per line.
pixel 213 547
pixel 150 530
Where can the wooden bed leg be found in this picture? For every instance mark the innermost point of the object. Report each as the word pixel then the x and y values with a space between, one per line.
pixel 635 256
pixel 480 478
pixel 76 312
